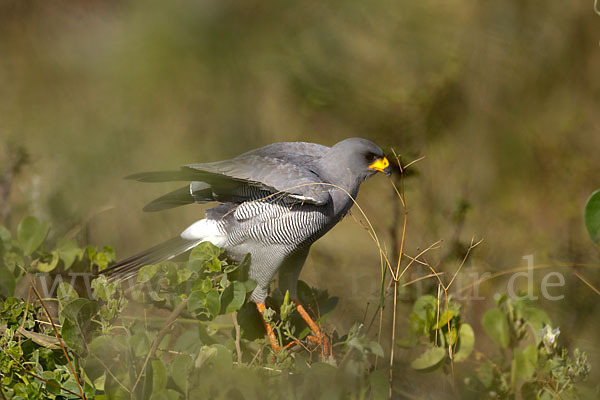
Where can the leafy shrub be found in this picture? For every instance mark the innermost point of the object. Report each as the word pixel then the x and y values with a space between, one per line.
pixel 183 330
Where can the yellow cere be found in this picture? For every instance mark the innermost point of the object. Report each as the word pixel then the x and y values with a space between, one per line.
pixel 380 164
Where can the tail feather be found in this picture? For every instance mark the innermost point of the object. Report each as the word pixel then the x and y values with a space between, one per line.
pixel 196 192
pixel 186 174
pixel 129 267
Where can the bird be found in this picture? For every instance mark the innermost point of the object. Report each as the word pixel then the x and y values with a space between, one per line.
pixel 274 202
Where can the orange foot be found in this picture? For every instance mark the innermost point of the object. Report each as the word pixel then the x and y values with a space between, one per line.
pixel 319 338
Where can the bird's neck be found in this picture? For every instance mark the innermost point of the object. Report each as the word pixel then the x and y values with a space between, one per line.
pixel 343 199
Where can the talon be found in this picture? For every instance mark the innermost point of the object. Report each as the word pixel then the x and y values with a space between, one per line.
pixel 321 339
pixel 270 333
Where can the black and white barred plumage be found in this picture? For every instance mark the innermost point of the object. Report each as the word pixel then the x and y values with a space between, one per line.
pixel 275 202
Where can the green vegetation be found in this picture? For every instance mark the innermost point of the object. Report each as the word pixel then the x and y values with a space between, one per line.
pixel 167 336
pixel 502 99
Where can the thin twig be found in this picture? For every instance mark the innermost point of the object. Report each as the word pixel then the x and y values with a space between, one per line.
pixel 586 282
pixel 471 247
pixel 161 334
pixel 110 373
pixel 238 335
pixel 62 345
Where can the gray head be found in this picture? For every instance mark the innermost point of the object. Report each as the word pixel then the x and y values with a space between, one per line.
pixel 353 160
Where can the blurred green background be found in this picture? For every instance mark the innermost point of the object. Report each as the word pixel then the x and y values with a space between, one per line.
pixel 502 99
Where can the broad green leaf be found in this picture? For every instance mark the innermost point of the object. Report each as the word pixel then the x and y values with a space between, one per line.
pixel 146 273
pixel 223 360
pixel 233 297
pixel 140 344
pixel 408 343
pixel 466 343
pixel 536 318
pixel 592 216
pixel 159 376
pixel 183 275
pixel 71 334
pixel 429 359
pixel 68 252
pixel 496 326
pixel 525 361
pixel 7 282
pixel 65 293
pixel 180 371
pixel 215 264
pixel 5 238
pixel 205 252
pixel 485 374
pixel 166 394
pixel 213 303
pixel 31 234
pixel 424 305
pixel 49 266
pixel 197 300
pixel 250 285
pixel 376 349
pixel 380 386
pixel 444 318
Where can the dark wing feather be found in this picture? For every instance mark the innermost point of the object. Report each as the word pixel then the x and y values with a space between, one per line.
pixel 279 167
pixel 283 168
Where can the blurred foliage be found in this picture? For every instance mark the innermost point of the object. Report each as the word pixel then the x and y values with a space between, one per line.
pixel 501 98
pixel 535 367
pixel 97 344
pixel 118 355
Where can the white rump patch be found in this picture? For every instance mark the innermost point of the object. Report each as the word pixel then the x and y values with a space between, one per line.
pixel 205 230
pixel 303 198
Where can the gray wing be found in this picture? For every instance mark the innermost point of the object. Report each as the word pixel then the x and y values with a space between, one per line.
pixel 286 168
pixel 281 169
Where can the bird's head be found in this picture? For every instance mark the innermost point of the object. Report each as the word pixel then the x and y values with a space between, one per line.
pixel 357 158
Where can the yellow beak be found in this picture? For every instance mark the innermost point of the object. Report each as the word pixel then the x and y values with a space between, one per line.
pixel 381 165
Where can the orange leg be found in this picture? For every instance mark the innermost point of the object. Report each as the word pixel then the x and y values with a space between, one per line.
pixel 270 333
pixel 319 337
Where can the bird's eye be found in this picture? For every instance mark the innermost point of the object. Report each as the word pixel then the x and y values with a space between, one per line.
pixel 371 157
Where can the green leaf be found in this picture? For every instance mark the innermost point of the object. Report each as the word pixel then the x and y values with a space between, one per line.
pixel 215 264
pixel 68 252
pixel 526 361
pixel 376 349
pixel 166 394
pixel 71 334
pixel 424 305
pixel 444 318
pixel 592 216
pixel 180 371
pixel 196 301
pixel 5 238
pixel 466 343
pixel 159 376
pixel 380 386
pixel 430 359
pixel 496 326
pixel 485 374
pixel 146 273
pixel 140 344
pixel 250 285
pixel 233 297
pixel 536 318
pixel 205 252
pixel 31 234
pixel 65 293
pixel 213 303
pixel 49 266
pixel 7 282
